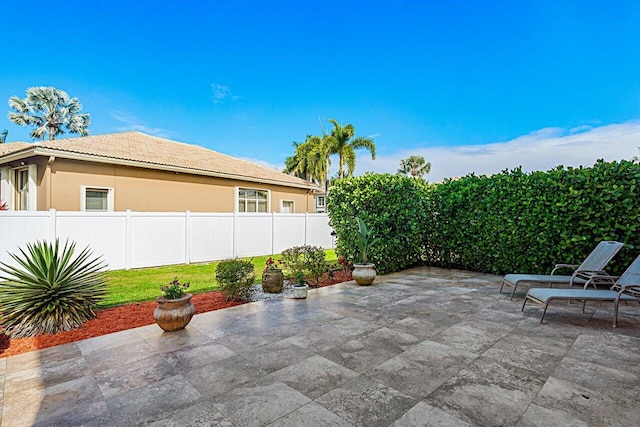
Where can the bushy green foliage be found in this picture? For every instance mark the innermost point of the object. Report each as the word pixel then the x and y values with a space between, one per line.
pixel 395 207
pixel 50 290
pixel 526 222
pixel 236 277
pixel 306 260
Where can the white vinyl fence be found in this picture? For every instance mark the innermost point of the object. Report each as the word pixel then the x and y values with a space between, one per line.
pixel 146 239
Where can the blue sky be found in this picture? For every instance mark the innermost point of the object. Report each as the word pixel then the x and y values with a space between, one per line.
pixel 471 85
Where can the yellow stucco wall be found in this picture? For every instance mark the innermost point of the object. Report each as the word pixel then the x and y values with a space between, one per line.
pixel 141 189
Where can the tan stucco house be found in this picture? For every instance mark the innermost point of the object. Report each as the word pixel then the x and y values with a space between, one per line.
pixel 132 170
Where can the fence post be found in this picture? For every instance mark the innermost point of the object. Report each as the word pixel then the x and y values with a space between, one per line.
pixel 235 234
pixel 273 233
pixel 127 241
pixel 53 229
pixel 306 227
pixel 187 237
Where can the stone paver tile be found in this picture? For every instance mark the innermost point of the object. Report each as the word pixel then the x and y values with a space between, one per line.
pixel 318 339
pixel 153 402
pixel 423 368
pixel 618 383
pixel 258 405
pixel 351 327
pixel 425 415
pixel 311 414
pixel 168 342
pixel 110 340
pixel 314 376
pixel 42 358
pixel 248 340
pixel 190 357
pixel 513 351
pixel 608 349
pixel 488 393
pixel 46 375
pixel 474 336
pixel 422 328
pixel 390 339
pixel 367 402
pixel 112 357
pixel 550 338
pixel 37 405
pixel 91 414
pixel 278 355
pixel 358 356
pixel 221 376
pixel 203 414
pixel 129 376
pixel 587 405
pixel 537 416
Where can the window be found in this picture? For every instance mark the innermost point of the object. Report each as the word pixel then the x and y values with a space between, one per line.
pixel 287 206
pixel 22 189
pixel 96 199
pixel 251 200
pixel 320 204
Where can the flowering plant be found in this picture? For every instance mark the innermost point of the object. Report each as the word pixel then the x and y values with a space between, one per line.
pixel 3 205
pixel 272 264
pixel 174 289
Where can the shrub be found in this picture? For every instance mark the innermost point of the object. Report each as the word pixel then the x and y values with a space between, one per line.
pixel 307 260
pixel 51 290
pixel 174 289
pixel 236 278
pixel 394 206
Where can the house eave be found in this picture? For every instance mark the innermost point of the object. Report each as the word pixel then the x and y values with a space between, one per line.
pixel 48 152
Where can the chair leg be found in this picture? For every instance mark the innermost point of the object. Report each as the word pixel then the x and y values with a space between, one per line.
pixel 524 303
pixel 515 285
pixel 501 286
pixel 544 311
pixel 615 311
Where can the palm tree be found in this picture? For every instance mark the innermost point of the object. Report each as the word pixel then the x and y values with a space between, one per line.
pixel 3 136
pixel 51 111
pixel 309 160
pixel 342 141
pixel 414 166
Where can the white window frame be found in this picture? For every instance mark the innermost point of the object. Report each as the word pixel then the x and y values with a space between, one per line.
pixel 293 206
pixel 83 197
pixel 9 186
pixel 237 199
pixel 321 208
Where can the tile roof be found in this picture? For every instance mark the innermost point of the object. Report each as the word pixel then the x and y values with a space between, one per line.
pixel 10 147
pixel 159 153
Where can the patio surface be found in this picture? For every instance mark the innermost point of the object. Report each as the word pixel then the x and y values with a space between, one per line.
pixel 422 347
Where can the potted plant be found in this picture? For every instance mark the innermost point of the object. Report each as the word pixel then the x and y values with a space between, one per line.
pixel 300 286
pixel 272 277
pixel 364 274
pixel 174 310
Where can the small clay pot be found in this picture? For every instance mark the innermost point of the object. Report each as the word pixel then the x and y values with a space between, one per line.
pixel 174 314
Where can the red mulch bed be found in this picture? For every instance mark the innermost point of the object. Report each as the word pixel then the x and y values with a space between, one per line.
pixel 125 317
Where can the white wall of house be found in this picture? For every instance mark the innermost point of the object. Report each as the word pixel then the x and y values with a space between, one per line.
pixel 146 239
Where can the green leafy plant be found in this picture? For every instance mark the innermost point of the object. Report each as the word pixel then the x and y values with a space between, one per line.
pixel 300 280
pixel 174 289
pixel 365 239
pixel 50 290
pixel 236 278
pixel 309 260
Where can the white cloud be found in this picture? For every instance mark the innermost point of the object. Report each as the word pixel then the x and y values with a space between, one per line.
pixel 132 123
pixel 540 150
pixel 222 93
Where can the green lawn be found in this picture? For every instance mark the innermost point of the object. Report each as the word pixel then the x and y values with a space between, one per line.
pixel 127 286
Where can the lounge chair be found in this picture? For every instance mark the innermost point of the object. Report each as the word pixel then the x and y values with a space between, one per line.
pixel 584 274
pixel 626 288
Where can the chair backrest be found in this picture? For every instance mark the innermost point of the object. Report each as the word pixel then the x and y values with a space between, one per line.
pixel 631 276
pixel 600 256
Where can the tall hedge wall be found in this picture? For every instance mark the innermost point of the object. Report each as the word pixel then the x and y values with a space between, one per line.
pixel 393 206
pixel 509 222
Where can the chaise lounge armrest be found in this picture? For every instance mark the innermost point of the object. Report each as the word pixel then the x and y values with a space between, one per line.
pixel 559 266
pixel 596 277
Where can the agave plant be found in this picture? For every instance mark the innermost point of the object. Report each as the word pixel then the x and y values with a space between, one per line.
pixel 51 290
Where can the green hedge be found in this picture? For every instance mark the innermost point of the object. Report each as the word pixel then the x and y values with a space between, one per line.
pixel 391 205
pixel 510 222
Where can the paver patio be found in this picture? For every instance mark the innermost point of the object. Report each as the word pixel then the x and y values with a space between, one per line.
pixel 422 347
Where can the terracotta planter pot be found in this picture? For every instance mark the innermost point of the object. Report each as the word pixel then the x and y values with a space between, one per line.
pixel 364 274
pixel 174 314
pixel 272 281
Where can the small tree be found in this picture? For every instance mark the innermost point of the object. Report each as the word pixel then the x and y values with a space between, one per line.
pixel 416 166
pixel 51 111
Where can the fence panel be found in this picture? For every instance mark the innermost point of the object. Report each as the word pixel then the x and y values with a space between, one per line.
pixel 211 237
pixel 289 230
pixel 103 232
pixel 19 228
pixel 253 235
pixel 319 231
pixel 157 238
